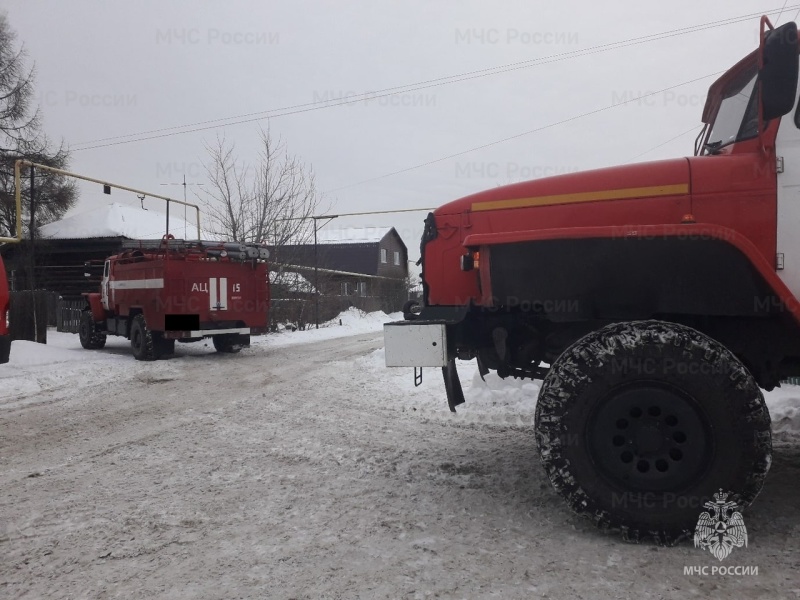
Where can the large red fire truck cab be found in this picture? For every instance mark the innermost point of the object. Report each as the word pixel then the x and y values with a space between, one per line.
pixel 155 293
pixel 653 300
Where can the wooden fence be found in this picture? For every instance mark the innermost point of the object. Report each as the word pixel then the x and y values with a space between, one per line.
pixel 28 316
pixel 68 315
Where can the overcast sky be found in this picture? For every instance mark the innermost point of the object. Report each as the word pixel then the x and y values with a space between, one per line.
pixel 108 69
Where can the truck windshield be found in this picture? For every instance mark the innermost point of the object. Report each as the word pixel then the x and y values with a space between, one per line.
pixel 737 117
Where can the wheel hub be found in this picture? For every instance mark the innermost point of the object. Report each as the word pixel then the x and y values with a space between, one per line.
pixel 649 439
pixel 649 436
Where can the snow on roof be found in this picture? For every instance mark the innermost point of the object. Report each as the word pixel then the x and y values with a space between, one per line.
pixel 119 220
pixel 352 235
pixel 292 281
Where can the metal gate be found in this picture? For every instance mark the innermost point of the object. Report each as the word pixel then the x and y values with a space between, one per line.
pixel 68 315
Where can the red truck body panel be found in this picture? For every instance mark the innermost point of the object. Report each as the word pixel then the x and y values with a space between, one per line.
pixel 217 291
pixel 191 290
pixel 731 194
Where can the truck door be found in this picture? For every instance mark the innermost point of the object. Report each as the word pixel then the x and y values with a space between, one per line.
pixel 787 149
pixel 779 99
pixel 104 291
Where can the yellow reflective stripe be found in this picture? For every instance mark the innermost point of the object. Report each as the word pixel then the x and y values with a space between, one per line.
pixel 640 192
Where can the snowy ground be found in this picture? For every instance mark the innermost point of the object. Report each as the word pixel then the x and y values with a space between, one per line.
pixel 303 468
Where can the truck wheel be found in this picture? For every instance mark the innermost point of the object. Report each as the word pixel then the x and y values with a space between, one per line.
pixel 639 423
pixel 144 347
pixel 91 339
pixel 229 343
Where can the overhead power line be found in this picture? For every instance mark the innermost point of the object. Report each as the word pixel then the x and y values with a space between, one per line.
pixel 446 80
pixel 672 139
pixel 778 20
pixel 524 133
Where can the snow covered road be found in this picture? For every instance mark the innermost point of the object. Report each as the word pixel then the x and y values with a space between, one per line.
pixel 308 470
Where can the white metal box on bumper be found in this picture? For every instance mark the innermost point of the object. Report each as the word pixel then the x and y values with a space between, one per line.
pixel 410 344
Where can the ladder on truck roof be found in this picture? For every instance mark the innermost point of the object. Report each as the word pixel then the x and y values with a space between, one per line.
pixel 232 250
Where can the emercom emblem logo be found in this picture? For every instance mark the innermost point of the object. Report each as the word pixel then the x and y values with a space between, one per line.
pixel 721 528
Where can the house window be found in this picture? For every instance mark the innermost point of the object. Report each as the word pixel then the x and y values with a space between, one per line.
pixel 344 288
pixel 362 289
pixel 383 255
pixel 396 258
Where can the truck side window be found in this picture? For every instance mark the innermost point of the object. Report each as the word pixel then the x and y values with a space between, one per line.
pixel 737 117
pixel 106 268
pixel 749 128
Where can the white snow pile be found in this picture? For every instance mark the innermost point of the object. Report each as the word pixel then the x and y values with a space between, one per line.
pixel 509 401
pixel 59 364
pixel 350 322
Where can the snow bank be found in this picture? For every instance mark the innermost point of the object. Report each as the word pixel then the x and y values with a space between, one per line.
pixel 350 322
pixel 64 367
pixel 63 364
pixel 513 401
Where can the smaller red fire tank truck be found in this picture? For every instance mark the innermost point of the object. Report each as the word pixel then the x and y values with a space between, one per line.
pixel 157 292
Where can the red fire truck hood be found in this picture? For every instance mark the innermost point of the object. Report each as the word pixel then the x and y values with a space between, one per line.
pixel 641 180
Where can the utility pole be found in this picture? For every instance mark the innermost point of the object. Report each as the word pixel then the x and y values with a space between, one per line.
pixel 330 218
pixel 32 261
pixel 316 266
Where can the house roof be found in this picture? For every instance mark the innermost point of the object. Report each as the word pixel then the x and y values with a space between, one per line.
pixel 352 235
pixel 118 220
pixel 349 250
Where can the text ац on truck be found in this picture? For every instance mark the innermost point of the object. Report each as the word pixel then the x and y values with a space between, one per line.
pixel 654 300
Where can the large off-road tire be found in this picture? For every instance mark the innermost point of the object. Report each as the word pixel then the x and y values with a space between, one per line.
pixel 142 342
pixel 91 339
pixel 230 343
pixel 639 423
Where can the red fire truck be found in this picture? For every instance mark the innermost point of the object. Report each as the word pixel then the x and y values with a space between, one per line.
pixel 155 293
pixel 654 300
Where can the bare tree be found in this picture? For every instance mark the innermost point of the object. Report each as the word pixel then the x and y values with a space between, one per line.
pixel 270 200
pixel 228 196
pixel 21 137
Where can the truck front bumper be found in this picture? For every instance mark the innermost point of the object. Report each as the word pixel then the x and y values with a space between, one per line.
pixel 200 333
pixel 415 344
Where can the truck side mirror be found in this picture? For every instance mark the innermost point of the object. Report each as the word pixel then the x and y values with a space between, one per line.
pixel 779 73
